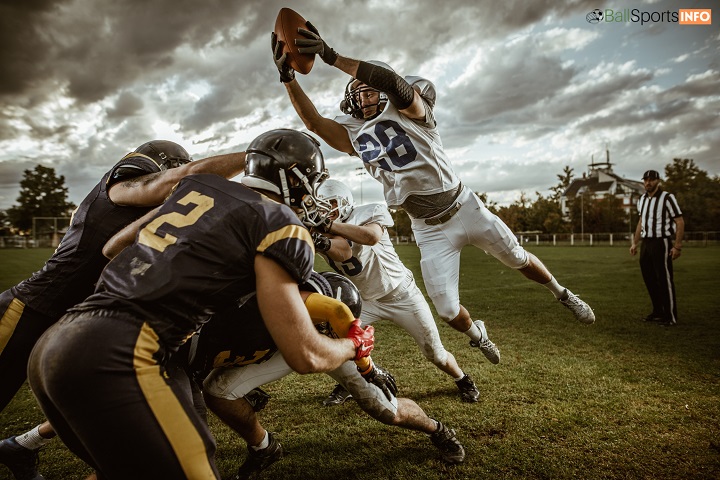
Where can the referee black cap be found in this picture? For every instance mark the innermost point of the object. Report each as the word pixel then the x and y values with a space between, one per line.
pixel 651 174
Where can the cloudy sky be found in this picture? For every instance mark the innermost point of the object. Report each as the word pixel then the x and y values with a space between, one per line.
pixel 525 88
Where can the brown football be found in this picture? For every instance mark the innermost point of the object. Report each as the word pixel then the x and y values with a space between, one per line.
pixel 286 25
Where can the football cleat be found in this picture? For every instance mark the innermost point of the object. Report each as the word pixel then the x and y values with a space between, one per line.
pixel 338 396
pixel 259 460
pixel 445 440
pixel 21 461
pixel 580 309
pixel 468 390
pixel 487 347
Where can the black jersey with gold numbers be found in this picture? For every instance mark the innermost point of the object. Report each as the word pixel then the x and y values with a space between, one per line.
pixel 197 255
pixel 70 274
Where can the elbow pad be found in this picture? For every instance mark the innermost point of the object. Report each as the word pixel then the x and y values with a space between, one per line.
pixel 399 92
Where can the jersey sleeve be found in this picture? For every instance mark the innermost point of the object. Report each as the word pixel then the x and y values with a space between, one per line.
pixel 289 243
pixel 131 167
pixel 673 206
pixel 372 213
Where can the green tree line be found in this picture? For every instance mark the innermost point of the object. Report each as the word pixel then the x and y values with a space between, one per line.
pixel 43 194
pixel 697 193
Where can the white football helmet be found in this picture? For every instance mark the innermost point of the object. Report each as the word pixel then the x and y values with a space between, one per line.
pixel 336 190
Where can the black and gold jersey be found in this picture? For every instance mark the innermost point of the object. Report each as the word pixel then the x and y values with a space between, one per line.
pixel 69 276
pixel 196 256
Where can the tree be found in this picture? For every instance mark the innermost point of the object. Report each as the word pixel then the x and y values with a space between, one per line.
pixel 697 193
pixel 566 178
pixel 402 227
pixel 42 194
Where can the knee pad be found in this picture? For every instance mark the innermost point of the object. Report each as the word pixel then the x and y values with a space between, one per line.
pixel 515 258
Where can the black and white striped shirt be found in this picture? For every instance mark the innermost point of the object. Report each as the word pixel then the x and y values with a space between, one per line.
pixel 657 214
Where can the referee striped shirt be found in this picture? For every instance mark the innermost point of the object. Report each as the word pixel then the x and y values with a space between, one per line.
pixel 658 213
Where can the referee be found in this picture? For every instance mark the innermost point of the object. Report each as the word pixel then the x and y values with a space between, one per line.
pixel 660 218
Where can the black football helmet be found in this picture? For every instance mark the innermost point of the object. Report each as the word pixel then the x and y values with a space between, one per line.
pixel 317 283
pixel 345 291
pixel 288 163
pixel 164 153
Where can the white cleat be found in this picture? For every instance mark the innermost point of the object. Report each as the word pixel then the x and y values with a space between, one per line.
pixel 487 347
pixel 580 309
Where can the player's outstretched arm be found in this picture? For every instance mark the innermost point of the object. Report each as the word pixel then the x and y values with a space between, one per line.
pixel 152 189
pixel 288 321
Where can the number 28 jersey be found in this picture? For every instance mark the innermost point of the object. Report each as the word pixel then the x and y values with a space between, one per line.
pixel 406 156
pixel 197 255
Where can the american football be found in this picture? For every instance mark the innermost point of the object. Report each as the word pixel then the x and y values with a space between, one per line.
pixel 286 25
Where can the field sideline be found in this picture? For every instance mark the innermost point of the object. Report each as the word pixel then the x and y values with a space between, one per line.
pixel 619 399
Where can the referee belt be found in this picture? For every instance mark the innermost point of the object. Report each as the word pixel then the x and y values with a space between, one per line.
pixel 440 219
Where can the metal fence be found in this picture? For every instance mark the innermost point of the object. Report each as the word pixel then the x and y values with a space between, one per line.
pixel 699 239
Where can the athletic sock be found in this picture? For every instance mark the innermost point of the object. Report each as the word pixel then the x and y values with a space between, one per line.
pixel 32 440
pixel 474 333
pixel 462 375
pixel 264 444
pixel 556 289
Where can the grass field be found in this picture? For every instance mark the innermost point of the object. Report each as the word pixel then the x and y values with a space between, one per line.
pixel 619 399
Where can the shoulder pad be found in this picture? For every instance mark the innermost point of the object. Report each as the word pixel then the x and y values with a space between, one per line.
pixel 425 87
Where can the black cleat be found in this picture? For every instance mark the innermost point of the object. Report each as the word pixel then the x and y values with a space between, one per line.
pixel 468 390
pixel 338 396
pixel 259 460
pixel 21 461
pixel 450 448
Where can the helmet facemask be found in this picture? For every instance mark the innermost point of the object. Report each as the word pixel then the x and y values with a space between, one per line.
pixel 352 105
pixel 338 196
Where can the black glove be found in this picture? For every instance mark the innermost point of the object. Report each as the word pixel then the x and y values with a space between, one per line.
pixel 383 380
pixel 315 45
pixel 324 225
pixel 321 242
pixel 287 74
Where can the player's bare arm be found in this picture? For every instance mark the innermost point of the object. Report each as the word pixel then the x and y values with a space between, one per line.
pixel 288 321
pixel 152 189
pixel 401 94
pixel 368 234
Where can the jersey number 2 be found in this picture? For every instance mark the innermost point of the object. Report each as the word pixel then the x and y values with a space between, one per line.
pixel 149 236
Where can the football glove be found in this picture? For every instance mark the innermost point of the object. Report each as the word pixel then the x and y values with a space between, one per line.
pixel 362 338
pixel 313 44
pixel 383 380
pixel 321 242
pixel 287 74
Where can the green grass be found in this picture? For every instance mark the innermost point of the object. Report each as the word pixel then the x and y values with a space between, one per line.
pixel 619 399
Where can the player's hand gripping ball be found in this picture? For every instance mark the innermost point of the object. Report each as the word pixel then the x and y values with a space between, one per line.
pixel 362 338
pixel 286 30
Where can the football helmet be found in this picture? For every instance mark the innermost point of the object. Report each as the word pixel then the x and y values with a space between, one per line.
pixel 336 190
pixel 345 291
pixel 288 163
pixel 164 153
pixel 351 104
pixel 318 284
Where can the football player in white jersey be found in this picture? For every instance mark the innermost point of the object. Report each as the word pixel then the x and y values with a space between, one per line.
pixel 358 246
pixel 389 123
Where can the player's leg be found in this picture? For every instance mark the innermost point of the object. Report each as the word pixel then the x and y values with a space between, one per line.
pixel 226 391
pixel 399 412
pixel 20 328
pixel 440 247
pixel 118 402
pixel 407 308
pixel 488 232
pixel 649 269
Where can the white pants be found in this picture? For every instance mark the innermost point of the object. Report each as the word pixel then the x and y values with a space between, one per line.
pixel 406 307
pixel 232 383
pixel 440 247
